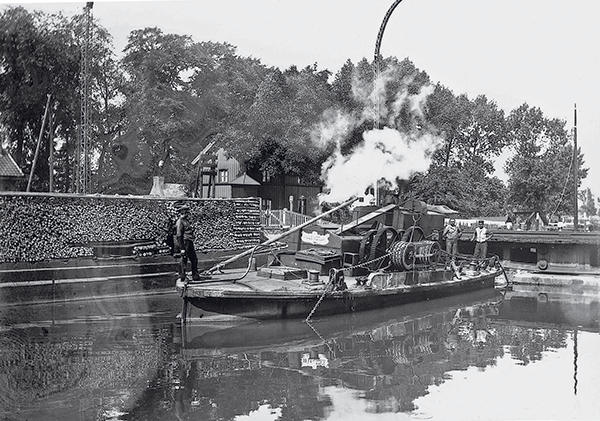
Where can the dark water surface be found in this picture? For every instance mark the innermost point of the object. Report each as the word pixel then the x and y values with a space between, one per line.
pixel 481 356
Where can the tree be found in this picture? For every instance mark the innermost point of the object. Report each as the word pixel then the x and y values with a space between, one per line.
pixel 107 79
pixel 468 190
pixel 227 89
pixel 588 206
pixel 540 172
pixel 159 108
pixel 473 134
pixel 287 107
pixel 342 87
pixel 473 131
pixel 445 113
pixel 39 56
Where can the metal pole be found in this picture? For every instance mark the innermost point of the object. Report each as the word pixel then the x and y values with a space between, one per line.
pixel 575 170
pixel 386 18
pixel 279 237
pixel 37 149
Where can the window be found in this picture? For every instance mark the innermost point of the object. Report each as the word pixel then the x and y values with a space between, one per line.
pixel 223 176
pixel 266 204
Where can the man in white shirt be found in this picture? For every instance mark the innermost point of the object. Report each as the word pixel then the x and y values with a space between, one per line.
pixel 481 237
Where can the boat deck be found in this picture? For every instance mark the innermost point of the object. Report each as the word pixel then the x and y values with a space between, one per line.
pixel 286 292
pixel 239 280
pixel 286 281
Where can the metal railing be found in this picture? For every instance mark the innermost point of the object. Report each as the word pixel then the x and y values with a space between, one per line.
pixel 282 218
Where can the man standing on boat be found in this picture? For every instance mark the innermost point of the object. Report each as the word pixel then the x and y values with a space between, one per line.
pixel 452 234
pixel 481 237
pixel 185 240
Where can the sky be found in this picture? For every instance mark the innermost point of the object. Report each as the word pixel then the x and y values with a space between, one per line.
pixel 540 52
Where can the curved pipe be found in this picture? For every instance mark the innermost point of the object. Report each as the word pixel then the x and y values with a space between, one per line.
pixel 382 28
pixel 377 47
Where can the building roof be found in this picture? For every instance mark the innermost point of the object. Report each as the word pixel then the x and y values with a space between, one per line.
pixel 174 190
pixel 244 180
pixel 8 166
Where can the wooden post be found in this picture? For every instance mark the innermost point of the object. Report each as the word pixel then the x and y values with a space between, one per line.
pixel 51 155
pixel 184 311
pixel 37 149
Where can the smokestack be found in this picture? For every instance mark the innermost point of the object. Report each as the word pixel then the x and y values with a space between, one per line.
pixel 575 169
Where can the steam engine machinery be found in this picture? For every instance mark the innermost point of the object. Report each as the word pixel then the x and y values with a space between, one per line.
pixel 390 239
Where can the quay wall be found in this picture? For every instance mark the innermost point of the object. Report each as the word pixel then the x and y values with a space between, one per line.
pixel 37 227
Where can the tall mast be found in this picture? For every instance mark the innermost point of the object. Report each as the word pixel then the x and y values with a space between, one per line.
pixel 82 160
pixel 575 170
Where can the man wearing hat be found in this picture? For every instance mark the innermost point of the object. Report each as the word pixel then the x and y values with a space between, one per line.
pixel 185 239
pixel 481 237
pixel 452 234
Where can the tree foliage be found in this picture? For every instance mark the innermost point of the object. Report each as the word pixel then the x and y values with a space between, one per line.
pixel 279 122
pixel 588 205
pixel 158 106
pixel 540 172
pixel 39 56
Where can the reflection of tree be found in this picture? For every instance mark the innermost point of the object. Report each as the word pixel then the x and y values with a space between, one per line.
pixel 527 344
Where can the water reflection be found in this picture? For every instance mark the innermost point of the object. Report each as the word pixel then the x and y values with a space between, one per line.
pixel 542 317
pixel 83 360
pixel 123 359
pixel 387 357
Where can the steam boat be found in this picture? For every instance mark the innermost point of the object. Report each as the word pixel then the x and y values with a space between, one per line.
pixel 387 256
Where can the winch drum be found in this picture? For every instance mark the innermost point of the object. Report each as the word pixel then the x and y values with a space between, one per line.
pixel 406 255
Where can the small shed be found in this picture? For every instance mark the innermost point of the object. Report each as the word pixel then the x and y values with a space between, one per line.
pixel 10 173
pixel 244 186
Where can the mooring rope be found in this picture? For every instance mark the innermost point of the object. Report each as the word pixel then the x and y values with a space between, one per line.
pixel 331 278
pixel 325 291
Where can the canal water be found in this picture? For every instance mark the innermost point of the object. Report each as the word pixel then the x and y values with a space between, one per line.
pixel 481 356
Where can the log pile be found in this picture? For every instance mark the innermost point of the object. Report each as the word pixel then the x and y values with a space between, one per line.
pixel 36 227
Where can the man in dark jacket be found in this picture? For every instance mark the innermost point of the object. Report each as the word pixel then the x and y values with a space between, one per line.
pixel 185 240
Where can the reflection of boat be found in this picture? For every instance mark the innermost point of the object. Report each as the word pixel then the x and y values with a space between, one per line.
pixel 334 272
pixel 388 356
pixel 385 322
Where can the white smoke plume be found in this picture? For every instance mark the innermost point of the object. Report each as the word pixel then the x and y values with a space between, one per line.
pixel 384 154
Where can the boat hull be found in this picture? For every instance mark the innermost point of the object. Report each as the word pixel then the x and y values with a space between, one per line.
pixel 281 304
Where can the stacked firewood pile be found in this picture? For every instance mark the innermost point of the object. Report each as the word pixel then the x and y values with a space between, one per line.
pixel 225 224
pixel 38 227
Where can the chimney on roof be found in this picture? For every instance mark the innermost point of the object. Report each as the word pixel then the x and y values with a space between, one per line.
pixel 158 183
